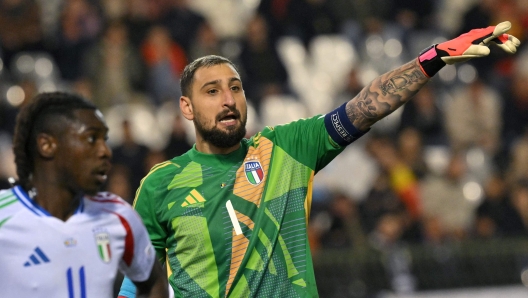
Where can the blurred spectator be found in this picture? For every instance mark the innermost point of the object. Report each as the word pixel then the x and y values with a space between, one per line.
pixel 206 42
pixel 495 216
pixel 262 68
pixel 415 15
pixel 182 22
pixel 410 149
pixel 444 204
pixel 518 161
pixel 473 118
pixel 387 238
pixel 178 143
pixel 131 155
pixel 344 230
pixel 165 60
pixel 306 19
pixel 153 158
pixel 352 87
pixel 80 25
pixel 423 114
pixel 138 20
pixel 119 182
pixel 113 67
pixel 20 28
pixel 380 200
pixel 275 13
pixel 519 201
pixel 515 112
pixel 403 181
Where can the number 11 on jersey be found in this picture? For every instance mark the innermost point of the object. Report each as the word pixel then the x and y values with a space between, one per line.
pixel 82 283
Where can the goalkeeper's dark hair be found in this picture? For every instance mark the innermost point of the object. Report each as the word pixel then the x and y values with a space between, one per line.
pixel 41 115
pixel 187 77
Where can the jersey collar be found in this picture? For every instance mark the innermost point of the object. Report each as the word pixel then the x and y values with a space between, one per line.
pixel 24 198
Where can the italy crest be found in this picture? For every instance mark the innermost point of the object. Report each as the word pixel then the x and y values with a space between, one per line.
pixel 102 240
pixel 254 172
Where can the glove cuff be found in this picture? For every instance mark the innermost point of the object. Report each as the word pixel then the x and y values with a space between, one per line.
pixel 430 61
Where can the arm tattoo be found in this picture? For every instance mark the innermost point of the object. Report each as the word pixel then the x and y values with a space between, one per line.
pixel 385 94
pixel 400 82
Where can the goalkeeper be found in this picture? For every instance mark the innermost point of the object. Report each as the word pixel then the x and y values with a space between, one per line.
pixel 229 217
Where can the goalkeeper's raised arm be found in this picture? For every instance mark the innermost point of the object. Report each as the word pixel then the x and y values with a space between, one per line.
pixel 391 90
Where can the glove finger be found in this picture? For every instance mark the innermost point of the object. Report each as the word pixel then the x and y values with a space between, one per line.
pixel 508 43
pixel 508 46
pixel 499 30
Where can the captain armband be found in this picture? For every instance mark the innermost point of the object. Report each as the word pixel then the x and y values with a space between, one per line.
pixel 339 127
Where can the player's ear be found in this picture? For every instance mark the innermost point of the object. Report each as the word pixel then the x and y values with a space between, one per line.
pixel 186 108
pixel 46 145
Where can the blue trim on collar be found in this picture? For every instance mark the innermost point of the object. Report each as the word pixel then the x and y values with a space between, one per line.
pixel 24 198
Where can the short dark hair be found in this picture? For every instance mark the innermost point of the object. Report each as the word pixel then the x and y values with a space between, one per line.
pixel 187 77
pixel 36 117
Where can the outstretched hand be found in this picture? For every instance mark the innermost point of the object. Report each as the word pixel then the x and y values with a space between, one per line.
pixel 469 45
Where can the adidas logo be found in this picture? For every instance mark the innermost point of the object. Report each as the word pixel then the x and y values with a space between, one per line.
pixel 193 198
pixel 37 257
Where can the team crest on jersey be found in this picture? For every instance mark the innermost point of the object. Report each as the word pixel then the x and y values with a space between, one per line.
pixel 102 239
pixel 254 172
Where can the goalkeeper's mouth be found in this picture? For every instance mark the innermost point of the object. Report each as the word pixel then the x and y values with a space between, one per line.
pixel 229 119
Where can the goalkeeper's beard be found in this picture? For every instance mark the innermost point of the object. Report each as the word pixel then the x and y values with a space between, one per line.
pixel 220 138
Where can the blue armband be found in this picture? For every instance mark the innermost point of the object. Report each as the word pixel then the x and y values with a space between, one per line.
pixel 128 289
pixel 339 127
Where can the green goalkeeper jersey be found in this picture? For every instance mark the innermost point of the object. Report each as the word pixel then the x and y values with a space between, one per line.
pixel 235 225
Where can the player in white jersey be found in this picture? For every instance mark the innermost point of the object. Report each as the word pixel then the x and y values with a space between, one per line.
pixel 59 236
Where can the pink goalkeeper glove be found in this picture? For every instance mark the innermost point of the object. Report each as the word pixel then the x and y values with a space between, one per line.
pixel 469 45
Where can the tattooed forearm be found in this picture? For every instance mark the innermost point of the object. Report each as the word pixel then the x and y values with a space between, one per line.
pixel 385 94
pixel 400 82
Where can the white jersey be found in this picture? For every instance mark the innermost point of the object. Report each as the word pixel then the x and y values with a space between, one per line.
pixel 42 256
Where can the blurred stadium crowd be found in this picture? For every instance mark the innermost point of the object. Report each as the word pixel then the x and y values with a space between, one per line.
pixel 451 165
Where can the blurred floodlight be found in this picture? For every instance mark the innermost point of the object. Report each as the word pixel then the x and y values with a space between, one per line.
pixel 393 48
pixel 448 73
pixel 15 95
pixel 374 46
pixel 25 64
pixel 467 73
pixel 43 67
pixel 472 191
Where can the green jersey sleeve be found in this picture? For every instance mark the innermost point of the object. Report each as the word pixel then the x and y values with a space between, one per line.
pixel 306 140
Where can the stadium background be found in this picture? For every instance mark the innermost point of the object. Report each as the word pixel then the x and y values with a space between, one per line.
pixel 433 202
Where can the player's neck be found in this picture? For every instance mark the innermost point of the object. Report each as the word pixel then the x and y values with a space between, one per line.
pixel 56 200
